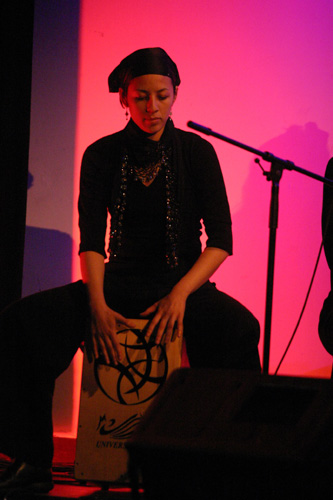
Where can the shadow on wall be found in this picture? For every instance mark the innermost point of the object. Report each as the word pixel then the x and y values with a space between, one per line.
pixel 47 264
pixel 298 237
pixel 47 259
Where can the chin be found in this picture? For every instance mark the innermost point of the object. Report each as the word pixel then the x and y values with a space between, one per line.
pixel 154 130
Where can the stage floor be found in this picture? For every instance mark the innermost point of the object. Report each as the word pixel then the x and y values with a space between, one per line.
pixel 65 485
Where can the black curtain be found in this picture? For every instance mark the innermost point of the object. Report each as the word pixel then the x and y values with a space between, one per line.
pixel 16 35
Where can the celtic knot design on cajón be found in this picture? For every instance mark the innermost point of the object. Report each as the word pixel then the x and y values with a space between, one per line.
pixel 139 376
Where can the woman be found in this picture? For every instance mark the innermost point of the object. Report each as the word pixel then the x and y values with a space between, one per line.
pixel 158 183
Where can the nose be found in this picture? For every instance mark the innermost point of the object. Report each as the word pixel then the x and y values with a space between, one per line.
pixel 151 104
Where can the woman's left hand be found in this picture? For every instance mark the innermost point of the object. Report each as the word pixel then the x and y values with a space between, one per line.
pixel 168 316
pixel 169 311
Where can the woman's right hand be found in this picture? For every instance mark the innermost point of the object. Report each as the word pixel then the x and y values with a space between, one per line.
pixel 104 337
pixel 103 319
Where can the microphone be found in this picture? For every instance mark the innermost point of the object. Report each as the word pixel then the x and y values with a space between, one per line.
pixel 199 128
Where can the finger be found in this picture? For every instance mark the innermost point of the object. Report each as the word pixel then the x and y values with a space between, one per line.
pixel 94 342
pixel 95 350
pixel 174 330
pixel 125 321
pixel 177 333
pixel 111 344
pixel 149 310
pixel 117 351
pixel 152 325
pixel 168 334
pixel 178 329
pixel 103 350
pixel 162 329
pixel 114 350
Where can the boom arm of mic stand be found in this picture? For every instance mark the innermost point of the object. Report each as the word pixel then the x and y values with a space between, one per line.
pixel 277 166
pixel 289 165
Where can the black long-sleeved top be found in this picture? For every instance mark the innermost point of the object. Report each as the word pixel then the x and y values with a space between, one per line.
pixel 200 191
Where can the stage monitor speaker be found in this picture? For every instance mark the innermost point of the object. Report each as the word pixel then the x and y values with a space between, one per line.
pixel 216 434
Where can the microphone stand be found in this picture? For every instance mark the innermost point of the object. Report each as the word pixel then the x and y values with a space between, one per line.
pixel 274 175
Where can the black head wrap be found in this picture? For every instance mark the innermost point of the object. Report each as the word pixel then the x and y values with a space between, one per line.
pixel 153 61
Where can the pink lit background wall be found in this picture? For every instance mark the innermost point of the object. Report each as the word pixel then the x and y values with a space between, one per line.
pixel 258 72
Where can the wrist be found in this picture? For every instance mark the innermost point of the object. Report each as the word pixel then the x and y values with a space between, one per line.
pixel 181 288
pixel 97 304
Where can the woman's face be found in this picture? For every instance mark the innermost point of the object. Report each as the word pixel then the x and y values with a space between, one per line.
pixel 150 99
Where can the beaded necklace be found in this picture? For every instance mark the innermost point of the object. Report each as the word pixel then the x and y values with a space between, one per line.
pixel 146 173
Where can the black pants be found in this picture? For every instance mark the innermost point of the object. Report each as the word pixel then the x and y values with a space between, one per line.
pixel 40 334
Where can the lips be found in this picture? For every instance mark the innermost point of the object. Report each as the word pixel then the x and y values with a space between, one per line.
pixel 153 120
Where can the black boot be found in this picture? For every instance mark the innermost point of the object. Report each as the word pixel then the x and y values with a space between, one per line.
pixel 26 478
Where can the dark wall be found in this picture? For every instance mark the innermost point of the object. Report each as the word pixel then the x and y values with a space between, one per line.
pixel 16 60
pixel 38 49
